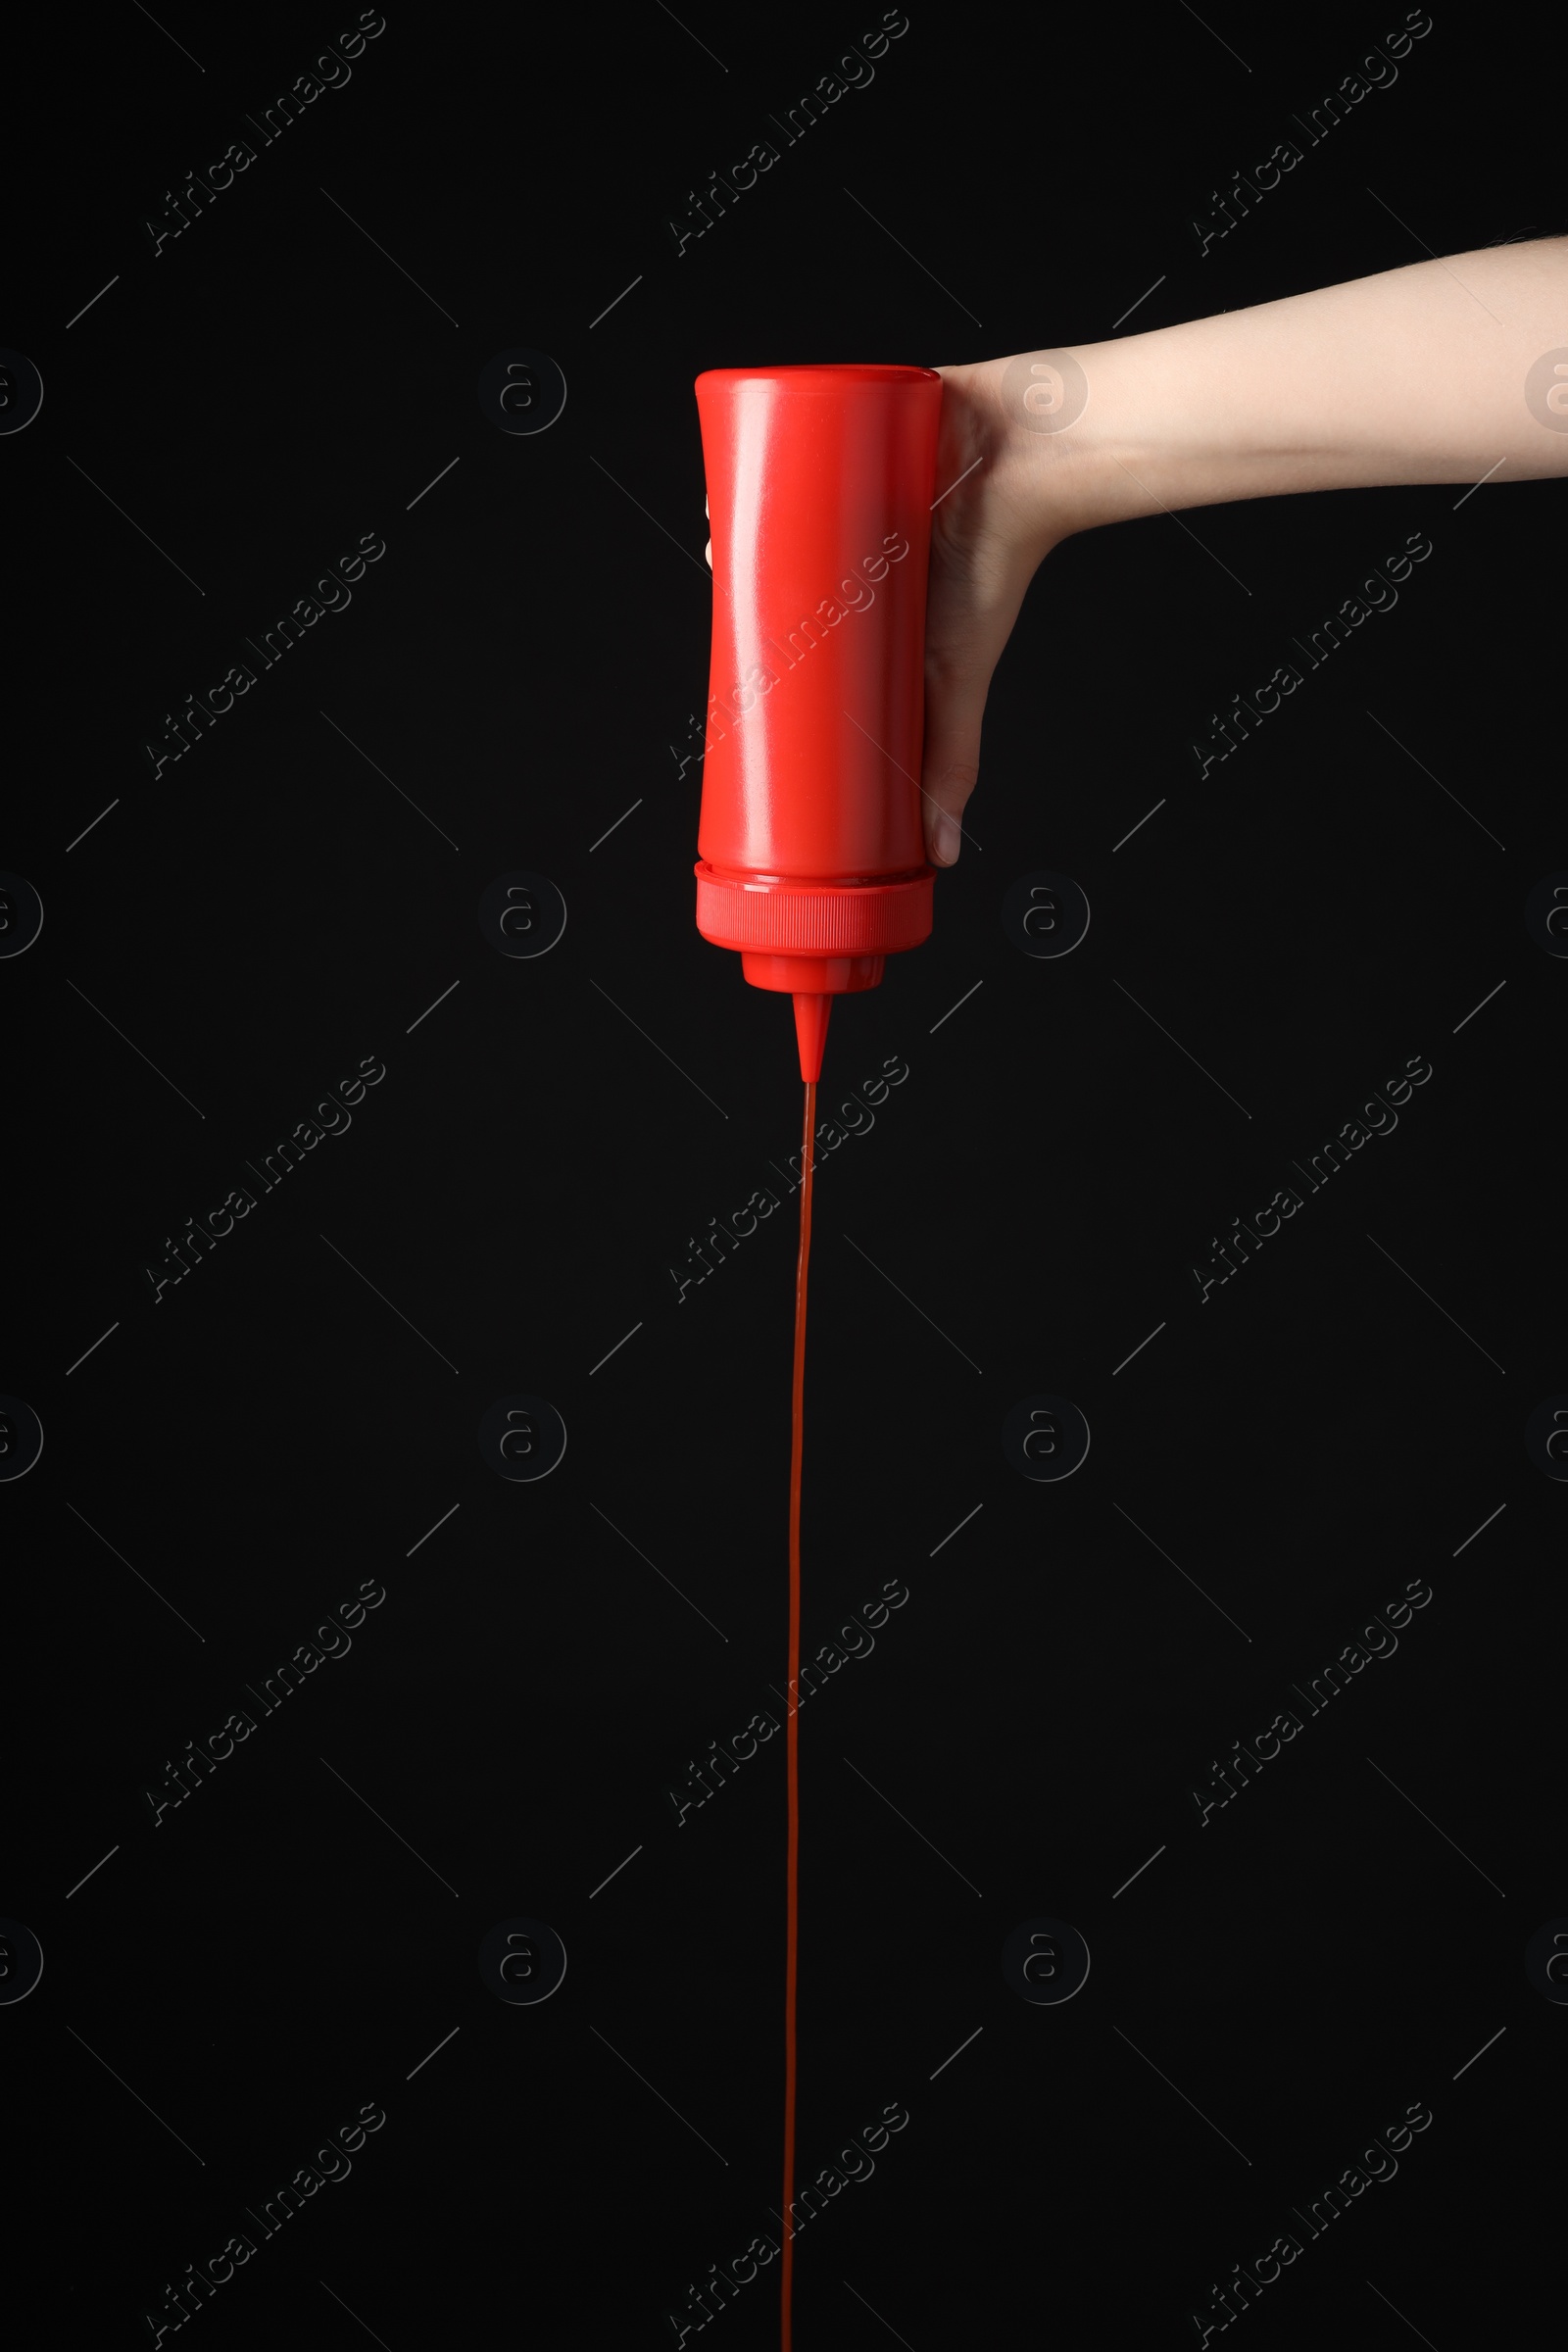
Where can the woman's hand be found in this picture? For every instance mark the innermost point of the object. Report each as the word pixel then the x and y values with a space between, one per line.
pixel 1010 489
pixel 1451 370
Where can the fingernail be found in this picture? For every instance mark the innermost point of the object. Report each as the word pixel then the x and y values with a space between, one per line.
pixel 945 848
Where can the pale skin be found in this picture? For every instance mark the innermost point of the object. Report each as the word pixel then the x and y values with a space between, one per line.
pixel 1414 375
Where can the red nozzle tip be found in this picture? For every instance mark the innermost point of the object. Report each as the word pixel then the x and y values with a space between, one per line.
pixel 810 1032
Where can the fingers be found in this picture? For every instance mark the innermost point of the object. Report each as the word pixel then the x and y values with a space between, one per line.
pixel 980 569
pixel 974 588
pixel 973 601
pixel 955 708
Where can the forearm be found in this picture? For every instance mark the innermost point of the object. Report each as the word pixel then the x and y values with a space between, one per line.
pixel 1441 372
pixel 1415 375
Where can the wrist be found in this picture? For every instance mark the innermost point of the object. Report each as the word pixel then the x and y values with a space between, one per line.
pixel 1062 447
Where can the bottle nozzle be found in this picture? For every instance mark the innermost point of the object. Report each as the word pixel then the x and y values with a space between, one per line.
pixel 810 1032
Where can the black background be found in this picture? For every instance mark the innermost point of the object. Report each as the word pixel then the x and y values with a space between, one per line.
pixel 269 1434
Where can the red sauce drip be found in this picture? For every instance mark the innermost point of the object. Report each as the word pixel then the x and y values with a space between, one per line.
pixel 792 1774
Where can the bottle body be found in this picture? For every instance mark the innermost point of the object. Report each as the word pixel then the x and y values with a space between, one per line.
pixel 820 483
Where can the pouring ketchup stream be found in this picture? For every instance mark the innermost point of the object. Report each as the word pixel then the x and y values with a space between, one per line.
pixel 792 1728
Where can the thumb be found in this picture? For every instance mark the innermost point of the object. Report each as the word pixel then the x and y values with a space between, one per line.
pixel 975 592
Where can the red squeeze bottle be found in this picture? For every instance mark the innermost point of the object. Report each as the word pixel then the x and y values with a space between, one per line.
pixel 820 483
